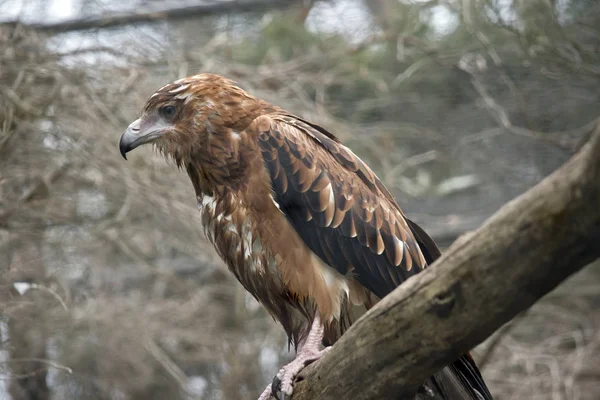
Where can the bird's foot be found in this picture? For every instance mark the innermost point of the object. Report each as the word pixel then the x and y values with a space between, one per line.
pixel 308 352
pixel 283 383
pixel 266 394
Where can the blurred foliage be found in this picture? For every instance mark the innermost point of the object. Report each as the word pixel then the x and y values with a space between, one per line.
pixel 281 39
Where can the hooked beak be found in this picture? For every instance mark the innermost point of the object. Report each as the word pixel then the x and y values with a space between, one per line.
pixel 135 136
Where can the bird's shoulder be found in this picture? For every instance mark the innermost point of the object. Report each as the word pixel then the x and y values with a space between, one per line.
pixel 311 144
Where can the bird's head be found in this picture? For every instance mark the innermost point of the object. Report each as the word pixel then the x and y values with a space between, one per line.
pixel 193 116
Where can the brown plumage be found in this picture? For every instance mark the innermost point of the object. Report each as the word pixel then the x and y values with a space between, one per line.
pixel 300 220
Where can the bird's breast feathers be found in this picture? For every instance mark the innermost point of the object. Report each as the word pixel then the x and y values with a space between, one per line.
pixel 268 257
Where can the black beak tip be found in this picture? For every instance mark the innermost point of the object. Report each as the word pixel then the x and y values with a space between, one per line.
pixel 123 148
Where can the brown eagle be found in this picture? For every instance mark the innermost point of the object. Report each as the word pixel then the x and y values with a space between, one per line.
pixel 302 222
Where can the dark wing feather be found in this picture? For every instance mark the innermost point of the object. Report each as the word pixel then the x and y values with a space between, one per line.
pixel 349 219
pixel 337 205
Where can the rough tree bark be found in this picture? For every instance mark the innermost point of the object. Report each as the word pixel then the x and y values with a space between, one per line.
pixel 521 253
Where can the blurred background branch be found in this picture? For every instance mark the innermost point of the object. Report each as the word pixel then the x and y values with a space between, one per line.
pixel 151 13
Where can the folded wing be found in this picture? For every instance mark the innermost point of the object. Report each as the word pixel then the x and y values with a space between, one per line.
pixel 336 204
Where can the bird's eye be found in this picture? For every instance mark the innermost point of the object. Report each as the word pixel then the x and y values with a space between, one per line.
pixel 168 111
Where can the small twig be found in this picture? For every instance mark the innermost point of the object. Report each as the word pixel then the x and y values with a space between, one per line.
pixel 49 363
pixel 559 138
pixel 409 162
pixel 40 185
pixel 7 125
pixel 19 102
pixel 103 108
pixel 45 182
pixel 44 289
pixel 87 50
pixel 167 363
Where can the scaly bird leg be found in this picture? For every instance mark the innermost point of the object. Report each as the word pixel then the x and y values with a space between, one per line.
pixel 308 352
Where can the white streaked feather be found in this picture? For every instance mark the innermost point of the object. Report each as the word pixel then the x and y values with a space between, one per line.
pixel 276 203
pixel 183 96
pixel 207 201
pixel 247 238
pixel 399 248
pixel 330 205
pixel 179 89
pixel 331 200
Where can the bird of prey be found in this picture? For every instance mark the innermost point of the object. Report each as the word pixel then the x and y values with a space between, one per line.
pixel 302 222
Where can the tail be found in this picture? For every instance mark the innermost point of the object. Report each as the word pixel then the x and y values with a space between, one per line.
pixel 462 379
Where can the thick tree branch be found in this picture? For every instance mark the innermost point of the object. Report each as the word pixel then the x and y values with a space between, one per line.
pixel 524 251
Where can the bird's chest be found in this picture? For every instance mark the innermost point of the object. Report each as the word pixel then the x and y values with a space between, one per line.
pixel 232 230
